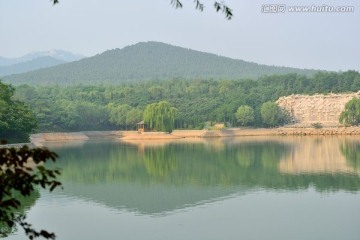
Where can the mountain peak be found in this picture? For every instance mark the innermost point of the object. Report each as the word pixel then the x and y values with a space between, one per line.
pixel 146 61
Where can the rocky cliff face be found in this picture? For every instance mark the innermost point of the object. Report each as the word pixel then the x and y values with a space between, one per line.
pixel 305 110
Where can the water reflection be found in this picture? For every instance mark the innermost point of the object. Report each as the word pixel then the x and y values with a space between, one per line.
pixel 327 155
pixel 156 177
pixel 25 204
pixel 160 162
pixel 351 151
pixel 308 186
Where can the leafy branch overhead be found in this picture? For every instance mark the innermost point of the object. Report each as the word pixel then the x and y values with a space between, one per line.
pixel 219 6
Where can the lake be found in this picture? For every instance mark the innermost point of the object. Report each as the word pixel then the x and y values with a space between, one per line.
pixel 230 188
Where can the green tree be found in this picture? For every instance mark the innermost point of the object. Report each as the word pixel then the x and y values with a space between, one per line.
pixel 271 114
pixel 133 116
pixel 351 113
pixel 16 120
pixel 160 116
pixel 156 92
pixel 21 172
pixel 118 114
pixel 124 115
pixel 245 115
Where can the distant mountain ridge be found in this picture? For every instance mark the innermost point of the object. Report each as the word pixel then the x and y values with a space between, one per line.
pixel 58 54
pixel 36 60
pixel 34 64
pixel 54 53
pixel 148 61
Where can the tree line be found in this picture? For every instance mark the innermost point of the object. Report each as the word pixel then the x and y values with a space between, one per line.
pixel 198 102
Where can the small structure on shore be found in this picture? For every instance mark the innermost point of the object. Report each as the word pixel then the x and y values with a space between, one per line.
pixel 141 126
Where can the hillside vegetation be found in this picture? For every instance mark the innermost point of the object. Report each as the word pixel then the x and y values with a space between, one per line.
pixel 198 102
pixel 148 61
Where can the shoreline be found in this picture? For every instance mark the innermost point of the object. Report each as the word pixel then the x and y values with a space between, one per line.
pixel 40 138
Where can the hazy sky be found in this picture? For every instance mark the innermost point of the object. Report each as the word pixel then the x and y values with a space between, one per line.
pixel 329 41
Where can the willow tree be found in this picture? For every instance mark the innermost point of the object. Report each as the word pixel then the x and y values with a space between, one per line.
pixel 160 116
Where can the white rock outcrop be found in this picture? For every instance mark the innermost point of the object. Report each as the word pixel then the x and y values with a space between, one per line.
pixel 305 110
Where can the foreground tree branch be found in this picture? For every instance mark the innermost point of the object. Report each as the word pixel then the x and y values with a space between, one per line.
pixel 219 7
pixel 22 171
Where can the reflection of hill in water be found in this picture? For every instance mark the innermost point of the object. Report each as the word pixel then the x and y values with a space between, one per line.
pixel 154 179
pixel 148 199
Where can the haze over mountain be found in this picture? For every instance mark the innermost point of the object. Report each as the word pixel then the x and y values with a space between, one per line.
pixel 36 60
pixel 147 61
pixel 31 65
pixel 57 54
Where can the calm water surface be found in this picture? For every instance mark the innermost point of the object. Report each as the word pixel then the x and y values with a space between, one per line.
pixel 231 188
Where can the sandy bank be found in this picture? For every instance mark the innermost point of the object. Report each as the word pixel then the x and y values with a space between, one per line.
pixel 150 136
pixel 40 138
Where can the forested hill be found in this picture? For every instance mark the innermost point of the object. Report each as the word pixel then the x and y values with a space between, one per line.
pixel 150 60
